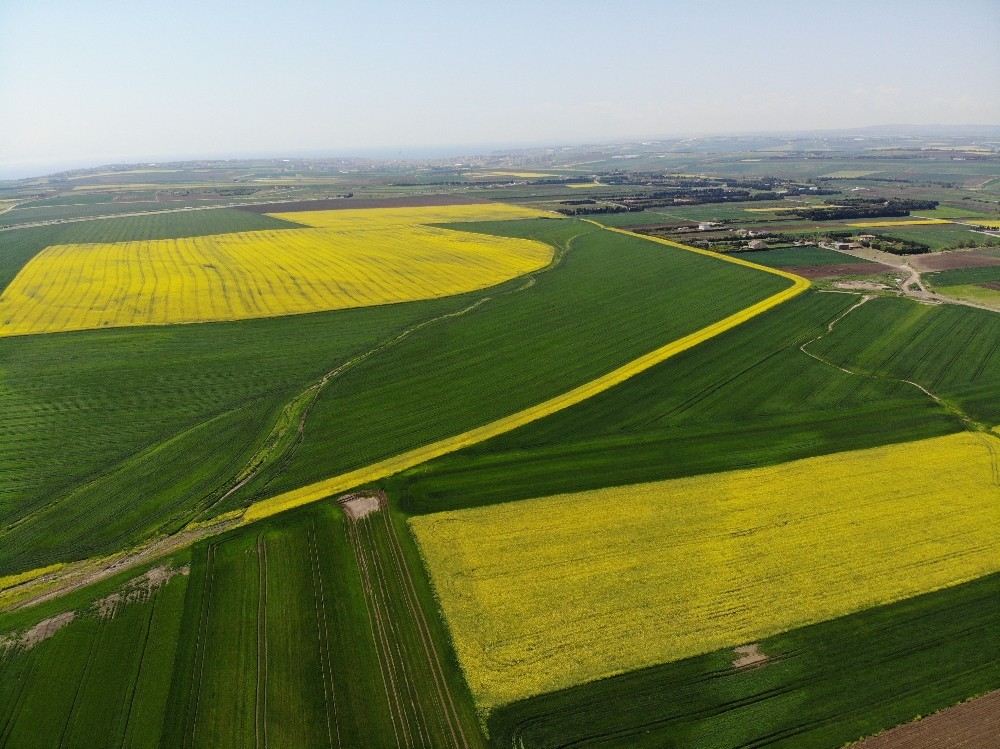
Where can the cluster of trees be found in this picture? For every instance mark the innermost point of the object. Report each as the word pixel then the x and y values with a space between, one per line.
pixel 591 210
pixel 662 199
pixel 865 208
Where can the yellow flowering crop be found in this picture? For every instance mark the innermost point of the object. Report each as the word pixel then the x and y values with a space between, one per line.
pixel 347 258
pixel 546 593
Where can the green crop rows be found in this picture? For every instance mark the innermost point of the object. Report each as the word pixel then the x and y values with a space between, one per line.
pixel 824 685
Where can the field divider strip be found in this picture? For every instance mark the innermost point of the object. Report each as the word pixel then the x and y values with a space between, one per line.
pixel 390 466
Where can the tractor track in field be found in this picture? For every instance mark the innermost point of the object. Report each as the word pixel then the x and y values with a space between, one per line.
pixel 445 697
pixel 377 630
pixel 386 581
pixel 260 711
pixel 200 646
pixel 323 638
pixel 83 573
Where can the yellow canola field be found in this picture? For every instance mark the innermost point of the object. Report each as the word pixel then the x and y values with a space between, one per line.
pixel 546 593
pixel 345 258
pixel 900 222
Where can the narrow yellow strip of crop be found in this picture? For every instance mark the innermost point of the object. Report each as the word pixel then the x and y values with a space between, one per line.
pixel 347 258
pixel 900 222
pixel 390 466
pixel 546 593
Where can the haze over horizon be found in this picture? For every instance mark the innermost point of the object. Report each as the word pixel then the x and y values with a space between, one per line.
pixel 88 83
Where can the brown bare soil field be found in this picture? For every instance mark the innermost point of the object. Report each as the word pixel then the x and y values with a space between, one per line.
pixel 972 725
pixel 952 260
pixel 333 204
pixel 993 285
pixel 840 269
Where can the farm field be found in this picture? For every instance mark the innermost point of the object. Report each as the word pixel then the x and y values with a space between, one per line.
pixel 547 593
pixel 715 408
pixel 944 211
pixel 122 420
pixel 245 643
pixel 814 262
pixel 986 277
pixel 900 222
pixel 939 236
pixel 435 452
pixel 270 612
pixel 821 686
pixel 20 245
pixel 970 724
pixel 615 280
pixel 353 259
pixel 242 380
pixel 895 338
pixel 98 676
pixel 796 257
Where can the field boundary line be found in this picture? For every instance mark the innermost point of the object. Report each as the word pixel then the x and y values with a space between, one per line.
pixel 260 712
pixel 384 468
pixel 396 715
pixel 323 638
pixel 402 570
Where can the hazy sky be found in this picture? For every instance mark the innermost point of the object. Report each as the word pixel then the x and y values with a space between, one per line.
pixel 95 82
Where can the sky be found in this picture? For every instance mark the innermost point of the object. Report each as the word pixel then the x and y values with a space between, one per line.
pixel 85 82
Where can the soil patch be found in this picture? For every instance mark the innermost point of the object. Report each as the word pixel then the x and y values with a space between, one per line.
pixel 334 204
pixel 749 656
pixel 137 589
pixel 27 639
pixel 362 504
pixel 952 260
pixel 861 285
pixel 992 285
pixel 839 269
pixel 972 725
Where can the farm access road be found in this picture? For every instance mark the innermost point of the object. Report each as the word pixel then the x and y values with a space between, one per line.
pixel 913 279
pixel 76 575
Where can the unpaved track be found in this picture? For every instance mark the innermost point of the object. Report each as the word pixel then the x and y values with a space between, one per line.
pixel 913 278
pixel 970 423
pixel 972 725
pixel 92 570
